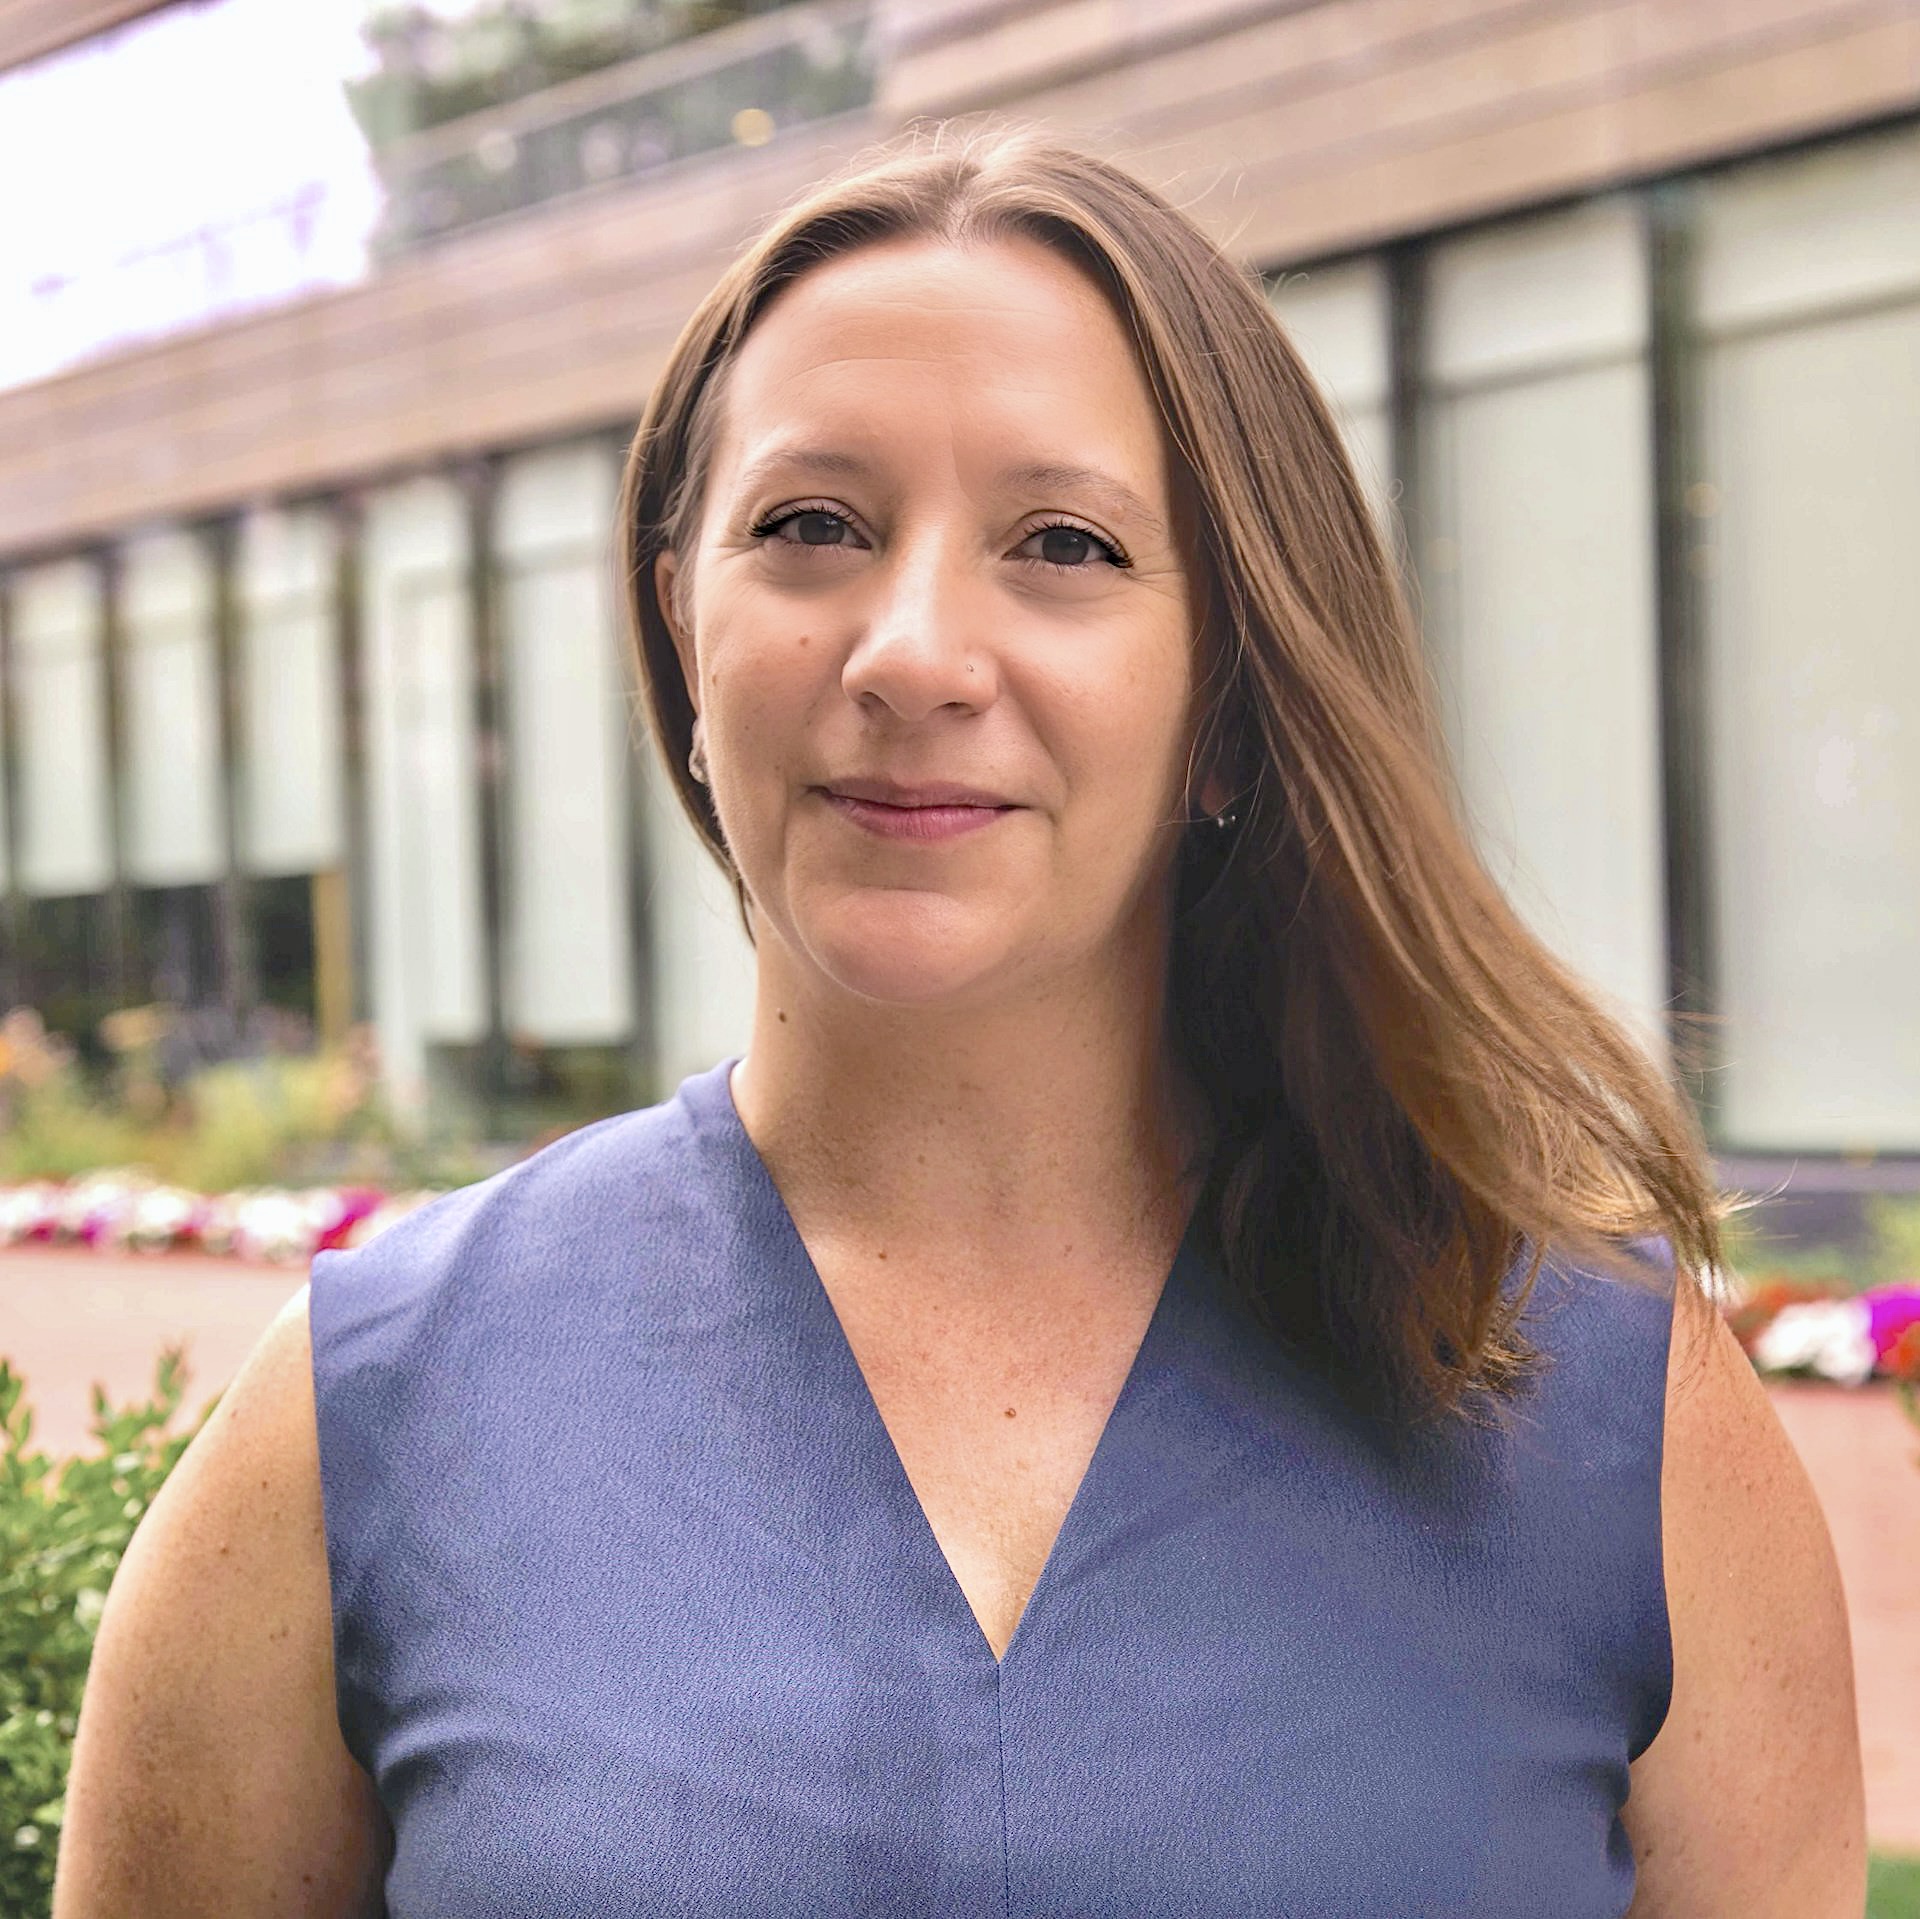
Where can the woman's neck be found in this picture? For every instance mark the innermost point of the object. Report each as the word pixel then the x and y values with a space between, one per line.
pixel 993 1133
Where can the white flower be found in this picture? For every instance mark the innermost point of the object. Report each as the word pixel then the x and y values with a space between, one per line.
pixel 1831 1337
pixel 159 1216
pixel 276 1225
pixel 27 1210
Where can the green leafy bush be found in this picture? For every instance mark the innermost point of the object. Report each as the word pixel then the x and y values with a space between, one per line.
pixel 433 65
pixel 1893 1889
pixel 63 1529
pixel 1894 1221
pixel 1887 1252
pixel 246 1122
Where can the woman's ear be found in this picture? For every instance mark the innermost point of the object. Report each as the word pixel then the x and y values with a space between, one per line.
pixel 667 588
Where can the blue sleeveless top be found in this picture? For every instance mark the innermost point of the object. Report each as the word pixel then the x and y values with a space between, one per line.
pixel 636 1611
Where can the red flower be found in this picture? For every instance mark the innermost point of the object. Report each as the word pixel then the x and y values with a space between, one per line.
pixel 1903 1357
pixel 1751 1316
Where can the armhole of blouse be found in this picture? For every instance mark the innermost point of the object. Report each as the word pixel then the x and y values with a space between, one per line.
pixel 1670 1350
pixel 322 1285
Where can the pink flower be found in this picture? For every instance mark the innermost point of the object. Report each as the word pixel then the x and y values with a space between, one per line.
pixel 355 1204
pixel 1890 1311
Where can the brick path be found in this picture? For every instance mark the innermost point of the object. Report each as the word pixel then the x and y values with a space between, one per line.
pixel 68 1318
pixel 1864 1459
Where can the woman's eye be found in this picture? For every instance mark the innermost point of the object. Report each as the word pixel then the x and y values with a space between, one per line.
pixel 1071 547
pixel 812 526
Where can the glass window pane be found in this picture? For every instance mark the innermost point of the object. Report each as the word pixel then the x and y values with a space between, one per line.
pixel 1538 583
pixel 171 819
pixel 568 959
pixel 1337 317
pixel 293 806
pixel 422 791
pixel 60 730
pixel 700 963
pixel 1805 508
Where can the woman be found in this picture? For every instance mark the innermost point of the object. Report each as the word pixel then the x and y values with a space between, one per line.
pixel 1158 1383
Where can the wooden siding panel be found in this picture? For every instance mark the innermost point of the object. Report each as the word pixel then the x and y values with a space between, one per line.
pixel 31 28
pixel 1777 93
pixel 1294 47
pixel 1362 109
pixel 1492 87
pixel 1566 142
pixel 991 47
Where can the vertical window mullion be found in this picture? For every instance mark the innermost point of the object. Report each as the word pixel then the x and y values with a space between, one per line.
pixel 1684 730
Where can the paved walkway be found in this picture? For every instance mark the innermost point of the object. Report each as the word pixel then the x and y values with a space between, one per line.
pixel 1864 1459
pixel 69 1318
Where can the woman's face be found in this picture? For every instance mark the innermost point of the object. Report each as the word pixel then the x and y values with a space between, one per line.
pixel 938 628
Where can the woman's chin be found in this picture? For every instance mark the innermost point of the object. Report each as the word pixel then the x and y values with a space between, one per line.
pixel 909 949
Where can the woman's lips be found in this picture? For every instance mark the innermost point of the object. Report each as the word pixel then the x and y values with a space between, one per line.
pixel 940 821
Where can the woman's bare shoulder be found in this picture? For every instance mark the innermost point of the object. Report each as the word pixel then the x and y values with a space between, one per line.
pixel 1749 1802
pixel 209 1773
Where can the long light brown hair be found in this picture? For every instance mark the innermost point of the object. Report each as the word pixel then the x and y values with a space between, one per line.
pixel 1413 1099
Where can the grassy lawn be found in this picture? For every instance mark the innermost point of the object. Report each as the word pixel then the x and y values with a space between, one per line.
pixel 1893 1889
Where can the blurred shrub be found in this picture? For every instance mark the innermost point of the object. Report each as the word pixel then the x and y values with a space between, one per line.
pixel 432 66
pixel 1894 1223
pixel 1756 1252
pixel 62 1533
pixel 244 1122
pixel 1889 1250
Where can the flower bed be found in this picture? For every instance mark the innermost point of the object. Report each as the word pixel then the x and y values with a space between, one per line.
pixel 1786 1326
pixel 129 1212
pixel 1820 1332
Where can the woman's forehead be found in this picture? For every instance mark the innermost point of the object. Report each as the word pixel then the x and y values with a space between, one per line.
pixel 1003 345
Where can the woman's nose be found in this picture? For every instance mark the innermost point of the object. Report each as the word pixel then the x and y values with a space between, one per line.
pixel 923 646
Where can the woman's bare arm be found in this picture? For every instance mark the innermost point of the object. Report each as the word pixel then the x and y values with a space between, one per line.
pixel 209 1775
pixel 1749 1803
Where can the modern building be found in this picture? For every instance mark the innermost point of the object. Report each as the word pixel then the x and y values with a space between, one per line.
pixel 312 690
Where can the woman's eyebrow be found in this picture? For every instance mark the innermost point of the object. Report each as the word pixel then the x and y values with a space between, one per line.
pixel 1047 476
pixel 826 461
pixel 1119 498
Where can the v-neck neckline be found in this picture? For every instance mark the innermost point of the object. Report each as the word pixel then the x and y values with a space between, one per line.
pixel 821 1334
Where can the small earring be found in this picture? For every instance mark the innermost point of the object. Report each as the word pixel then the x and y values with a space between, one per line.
pixel 697 757
pixel 1222 820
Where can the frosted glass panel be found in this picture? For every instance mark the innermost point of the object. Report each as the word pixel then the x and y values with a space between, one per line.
pixel 171 821
pixel 436 842
pixel 293 815
pixel 1547 660
pixel 1794 238
pixel 569 955
pixel 702 966
pixel 1813 456
pixel 64 831
pixel 1537 296
pixel 1337 318
pixel 423 797
pixel 1539 587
